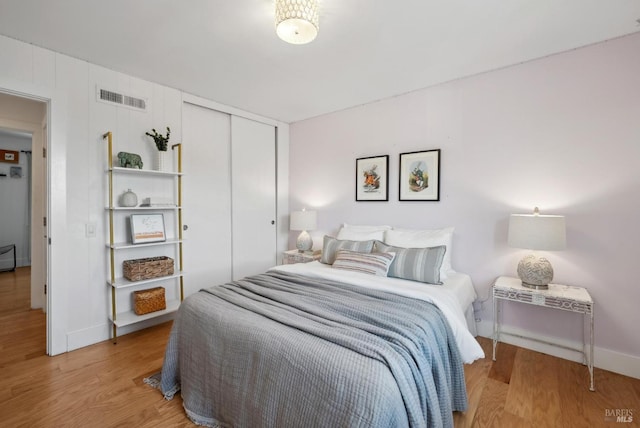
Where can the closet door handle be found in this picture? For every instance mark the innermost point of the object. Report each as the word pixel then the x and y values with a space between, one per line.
pixel 273 222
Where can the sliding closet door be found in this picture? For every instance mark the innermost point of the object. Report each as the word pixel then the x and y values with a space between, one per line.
pixel 253 195
pixel 206 197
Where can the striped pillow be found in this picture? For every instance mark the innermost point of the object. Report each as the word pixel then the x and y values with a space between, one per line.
pixel 330 247
pixel 369 263
pixel 415 264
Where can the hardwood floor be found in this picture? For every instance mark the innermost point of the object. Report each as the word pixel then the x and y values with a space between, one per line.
pixel 101 385
pixel 15 290
pixel 97 386
pixel 524 388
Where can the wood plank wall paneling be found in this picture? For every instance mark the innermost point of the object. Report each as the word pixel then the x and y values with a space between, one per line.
pixel 103 383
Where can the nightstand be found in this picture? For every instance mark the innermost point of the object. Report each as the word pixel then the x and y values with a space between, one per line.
pixel 295 256
pixel 563 297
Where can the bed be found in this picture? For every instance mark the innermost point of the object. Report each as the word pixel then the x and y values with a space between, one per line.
pixel 314 345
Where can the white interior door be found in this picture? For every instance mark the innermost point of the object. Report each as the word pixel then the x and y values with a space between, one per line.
pixel 39 234
pixel 253 195
pixel 206 198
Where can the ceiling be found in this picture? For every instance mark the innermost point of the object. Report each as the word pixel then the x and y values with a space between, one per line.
pixel 366 50
pixel 9 133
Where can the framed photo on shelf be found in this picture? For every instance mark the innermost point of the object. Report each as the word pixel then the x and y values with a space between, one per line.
pixel 420 176
pixel 372 178
pixel 147 228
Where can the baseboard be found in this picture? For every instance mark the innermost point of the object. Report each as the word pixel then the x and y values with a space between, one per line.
pixel 92 335
pixel 605 359
pixel 87 336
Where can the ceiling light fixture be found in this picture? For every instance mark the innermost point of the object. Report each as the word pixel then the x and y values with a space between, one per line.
pixel 297 20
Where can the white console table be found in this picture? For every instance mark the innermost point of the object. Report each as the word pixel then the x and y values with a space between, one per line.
pixel 563 297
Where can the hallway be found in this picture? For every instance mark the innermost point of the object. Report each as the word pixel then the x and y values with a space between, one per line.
pixel 15 291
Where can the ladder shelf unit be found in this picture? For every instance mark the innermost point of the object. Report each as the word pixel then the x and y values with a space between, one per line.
pixel 120 246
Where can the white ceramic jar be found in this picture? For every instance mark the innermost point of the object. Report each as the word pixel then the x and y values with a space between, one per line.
pixel 128 199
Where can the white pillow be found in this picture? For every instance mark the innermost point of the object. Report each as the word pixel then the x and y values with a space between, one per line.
pixel 365 228
pixel 349 234
pixel 408 238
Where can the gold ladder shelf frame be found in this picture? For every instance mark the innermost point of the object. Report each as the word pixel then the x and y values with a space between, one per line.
pixel 112 247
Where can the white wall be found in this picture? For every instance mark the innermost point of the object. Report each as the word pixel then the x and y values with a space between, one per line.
pixel 15 218
pixel 78 171
pixel 561 133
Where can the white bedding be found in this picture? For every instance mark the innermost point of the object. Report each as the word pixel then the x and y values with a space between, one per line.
pixel 452 298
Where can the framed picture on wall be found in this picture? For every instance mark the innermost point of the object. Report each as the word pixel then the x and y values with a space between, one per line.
pixel 420 176
pixel 147 228
pixel 372 178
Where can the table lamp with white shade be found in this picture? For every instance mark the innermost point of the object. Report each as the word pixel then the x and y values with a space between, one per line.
pixel 536 232
pixel 303 220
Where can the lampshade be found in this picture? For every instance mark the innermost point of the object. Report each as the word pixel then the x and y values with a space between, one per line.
pixel 536 232
pixel 303 220
pixel 297 20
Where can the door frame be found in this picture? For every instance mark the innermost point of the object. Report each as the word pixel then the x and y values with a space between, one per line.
pixel 56 257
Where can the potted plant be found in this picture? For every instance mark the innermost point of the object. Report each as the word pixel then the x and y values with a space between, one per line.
pixel 161 141
pixel 162 144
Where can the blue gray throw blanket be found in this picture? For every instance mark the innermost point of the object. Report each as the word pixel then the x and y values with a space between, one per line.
pixel 284 350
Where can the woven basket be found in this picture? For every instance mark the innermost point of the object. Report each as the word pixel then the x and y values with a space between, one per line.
pixel 151 300
pixel 152 267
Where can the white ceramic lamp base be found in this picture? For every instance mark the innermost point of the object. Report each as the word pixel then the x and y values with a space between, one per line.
pixel 535 272
pixel 304 241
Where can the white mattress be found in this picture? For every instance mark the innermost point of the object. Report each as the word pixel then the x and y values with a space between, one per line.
pixel 452 298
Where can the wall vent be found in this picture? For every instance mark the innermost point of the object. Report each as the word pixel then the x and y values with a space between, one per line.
pixel 111 97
